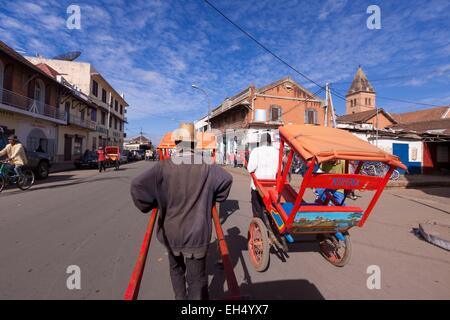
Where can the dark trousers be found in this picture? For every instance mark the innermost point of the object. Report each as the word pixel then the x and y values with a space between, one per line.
pixel 101 166
pixel 257 204
pixel 191 271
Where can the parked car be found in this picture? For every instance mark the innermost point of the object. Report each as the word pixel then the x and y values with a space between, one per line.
pixel 124 156
pixel 88 160
pixel 138 155
pixel 128 154
pixel 38 162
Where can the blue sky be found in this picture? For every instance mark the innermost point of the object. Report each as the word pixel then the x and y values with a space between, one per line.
pixel 154 50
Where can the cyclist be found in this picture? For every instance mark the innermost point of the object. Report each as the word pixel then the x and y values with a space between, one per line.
pixel 15 153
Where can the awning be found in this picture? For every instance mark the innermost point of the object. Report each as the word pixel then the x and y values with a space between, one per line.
pixel 325 143
pixel 167 141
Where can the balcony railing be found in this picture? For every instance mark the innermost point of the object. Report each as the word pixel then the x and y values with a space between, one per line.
pixel 27 105
pixel 85 123
pixel 102 130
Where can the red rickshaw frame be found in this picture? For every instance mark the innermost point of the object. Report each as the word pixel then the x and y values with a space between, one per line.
pixel 274 191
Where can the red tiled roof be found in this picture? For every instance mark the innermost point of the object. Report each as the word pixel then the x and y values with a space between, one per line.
pixel 17 56
pixel 421 115
pixel 363 117
pixel 441 126
pixel 48 70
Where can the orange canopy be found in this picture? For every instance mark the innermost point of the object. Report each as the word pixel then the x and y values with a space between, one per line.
pixel 325 143
pixel 167 142
pixel 206 141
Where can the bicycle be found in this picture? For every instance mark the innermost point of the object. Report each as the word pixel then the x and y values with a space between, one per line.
pixel 378 169
pixel 8 176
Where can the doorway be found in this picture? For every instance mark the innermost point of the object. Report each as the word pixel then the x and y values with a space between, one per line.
pixel 67 148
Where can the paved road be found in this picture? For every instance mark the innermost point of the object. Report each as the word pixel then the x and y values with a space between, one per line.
pixel 87 219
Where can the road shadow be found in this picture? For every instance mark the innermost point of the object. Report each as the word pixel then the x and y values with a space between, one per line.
pixel 295 289
pixel 226 209
pixel 45 186
pixel 237 244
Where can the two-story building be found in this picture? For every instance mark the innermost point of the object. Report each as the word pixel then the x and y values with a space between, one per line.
pixel 109 107
pixel 29 102
pixel 241 119
pixel 80 115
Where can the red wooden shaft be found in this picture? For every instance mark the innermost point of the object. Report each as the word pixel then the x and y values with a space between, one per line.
pixel 233 286
pixel 135 281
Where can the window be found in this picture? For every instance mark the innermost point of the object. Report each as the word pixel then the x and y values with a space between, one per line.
pixel 121 109
pixel 2 69
pixel 94 115
pixel 8 77
pixel 95 88
pixel 78 145
pixel 116 105
pixel 370 101
pixel 94 143
pixel 82 113
pixel 275 113
pixel 115 123
pixel 104 95
pixel 310 116
pixel 110 121
pixel 103 118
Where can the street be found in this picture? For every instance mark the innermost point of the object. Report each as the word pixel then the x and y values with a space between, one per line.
pixel 87 219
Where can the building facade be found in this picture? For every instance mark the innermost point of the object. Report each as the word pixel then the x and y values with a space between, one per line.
pixel 109 107
pixel 29 102
pixel 241 119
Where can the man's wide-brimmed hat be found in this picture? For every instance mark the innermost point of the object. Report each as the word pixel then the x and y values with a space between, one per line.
pixel 184 133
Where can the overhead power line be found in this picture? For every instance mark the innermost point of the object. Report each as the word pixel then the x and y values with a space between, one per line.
pixel 263 46
pixel 336 93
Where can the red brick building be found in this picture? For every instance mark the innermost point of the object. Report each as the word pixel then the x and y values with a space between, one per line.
pixel 240 119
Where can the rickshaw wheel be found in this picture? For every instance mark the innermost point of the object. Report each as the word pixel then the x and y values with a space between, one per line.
pixel 335 251
pixel 258 245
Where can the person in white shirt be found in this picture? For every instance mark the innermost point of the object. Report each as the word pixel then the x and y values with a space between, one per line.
pixel 263 162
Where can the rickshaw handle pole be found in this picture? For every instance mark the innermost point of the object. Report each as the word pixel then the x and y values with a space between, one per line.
pixel 232 284
pixel 133 286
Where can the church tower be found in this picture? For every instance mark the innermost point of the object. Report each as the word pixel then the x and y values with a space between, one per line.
pixel 361 95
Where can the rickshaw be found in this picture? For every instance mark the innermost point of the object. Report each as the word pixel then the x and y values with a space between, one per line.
pixel 166 144
pixel 113 156
pixel 288 216
pixel 204 142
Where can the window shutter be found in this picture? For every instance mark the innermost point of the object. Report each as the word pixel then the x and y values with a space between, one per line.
pixel 279 113
pixel 306 116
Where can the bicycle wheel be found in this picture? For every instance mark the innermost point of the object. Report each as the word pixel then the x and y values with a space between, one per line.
pixel 2 182
pixel 26 180
pixel 395 175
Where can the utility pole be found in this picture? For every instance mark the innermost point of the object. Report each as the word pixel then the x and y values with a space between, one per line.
pixel 109 120
pixel 326 106
pixel 376 125
pixel 209 103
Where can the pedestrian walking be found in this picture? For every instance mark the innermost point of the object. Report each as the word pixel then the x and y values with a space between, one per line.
pixel 101 159
pixel 263 162
pixel 184 193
